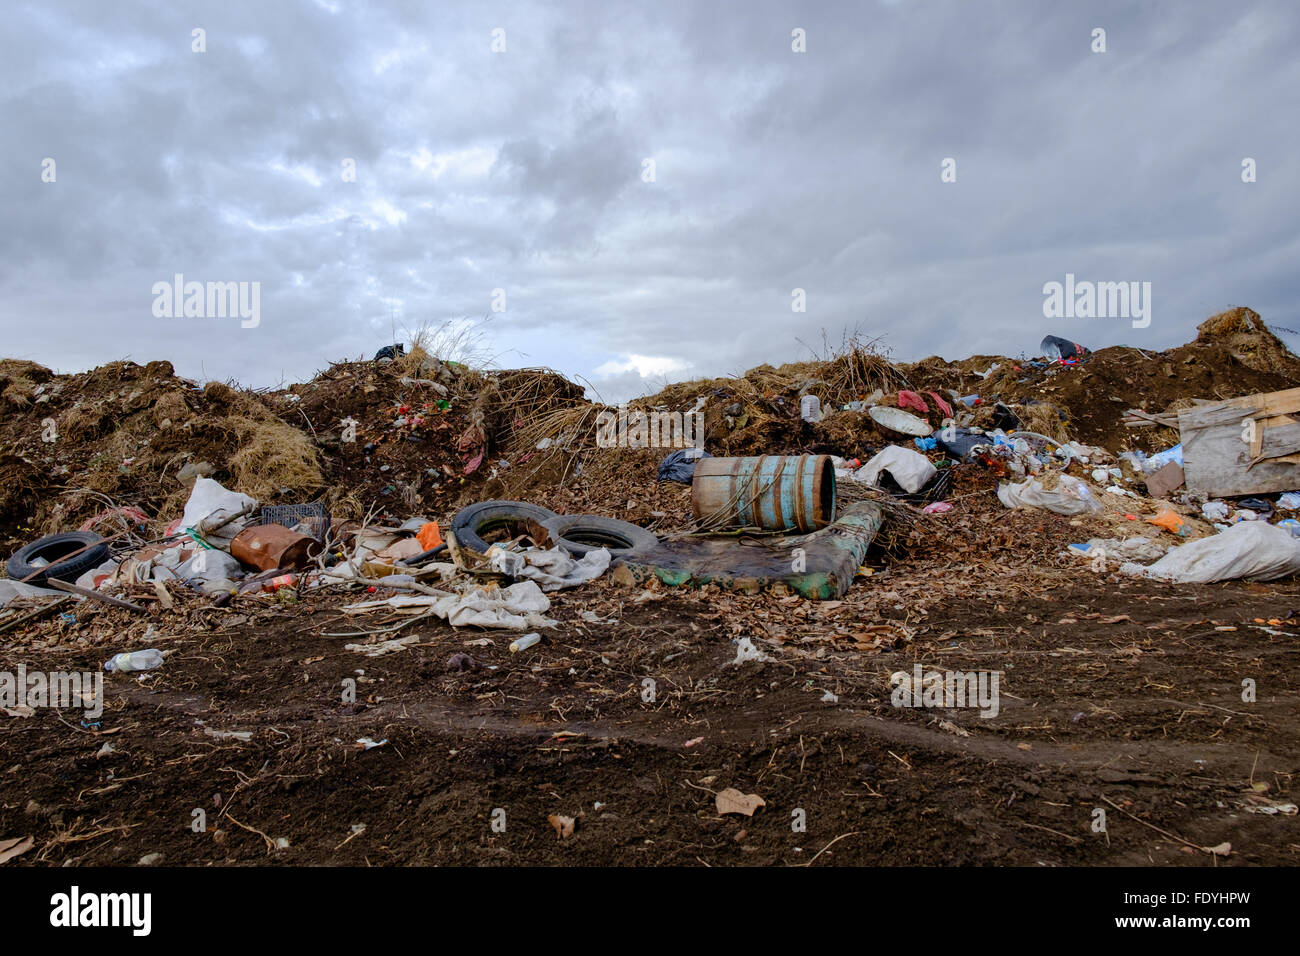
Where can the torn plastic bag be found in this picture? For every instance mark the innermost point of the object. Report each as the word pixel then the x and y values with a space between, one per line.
pixel 1251 549
pixel 96 576
pixel 910 469
pixel 1070 496
pixel 149 564
pixel 680 465
pixel 1170 455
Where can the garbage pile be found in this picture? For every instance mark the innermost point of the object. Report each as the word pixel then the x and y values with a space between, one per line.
pixel 472 496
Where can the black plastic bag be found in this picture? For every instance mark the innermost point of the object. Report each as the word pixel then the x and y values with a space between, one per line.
pixel 680 465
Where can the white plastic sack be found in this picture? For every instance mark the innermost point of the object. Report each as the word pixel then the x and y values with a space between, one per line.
pixel 1155 462
pixel 1251 549
pixel 216 513
pixel 910 469
pixel 1070 497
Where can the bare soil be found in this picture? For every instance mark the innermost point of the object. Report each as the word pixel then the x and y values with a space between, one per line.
pixel 1115 695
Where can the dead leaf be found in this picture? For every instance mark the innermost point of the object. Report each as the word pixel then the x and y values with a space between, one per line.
pixel 1223 849
pixel 732 800
pixel 563 825
pixel 16 846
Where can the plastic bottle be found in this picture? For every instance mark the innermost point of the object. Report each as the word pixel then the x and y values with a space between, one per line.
pixel 145 660
pixel 810 408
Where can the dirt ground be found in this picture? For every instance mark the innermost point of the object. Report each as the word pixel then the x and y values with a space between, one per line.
pixel 1138 723
pixel 1115 695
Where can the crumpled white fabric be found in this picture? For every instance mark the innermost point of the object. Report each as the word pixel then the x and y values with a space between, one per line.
pixel 554 569
pixel 517 608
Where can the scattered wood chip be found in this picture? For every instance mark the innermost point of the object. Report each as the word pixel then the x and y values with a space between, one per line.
pixel 15 846
pixel 732 800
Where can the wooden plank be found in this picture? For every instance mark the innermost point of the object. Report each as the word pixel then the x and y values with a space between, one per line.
pixel 1234 410
pixel 95 595
pixel 1220 463
pixel 1278 441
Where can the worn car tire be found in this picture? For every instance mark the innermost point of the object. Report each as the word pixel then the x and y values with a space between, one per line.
pixel 578 534
pixel 470 524
pixel 52 547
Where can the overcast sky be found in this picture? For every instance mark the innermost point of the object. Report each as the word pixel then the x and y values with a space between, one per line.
pixel 504 147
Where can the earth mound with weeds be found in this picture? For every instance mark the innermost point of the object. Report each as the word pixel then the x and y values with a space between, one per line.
pixel 422 434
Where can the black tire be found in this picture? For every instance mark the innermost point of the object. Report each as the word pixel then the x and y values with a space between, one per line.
pixel 52 547
pixel 579 534
pixel 472 523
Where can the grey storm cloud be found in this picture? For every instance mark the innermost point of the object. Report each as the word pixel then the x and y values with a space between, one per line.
pixel 524 170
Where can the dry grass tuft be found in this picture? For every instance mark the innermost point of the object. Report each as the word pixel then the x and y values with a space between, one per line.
pixel 272 457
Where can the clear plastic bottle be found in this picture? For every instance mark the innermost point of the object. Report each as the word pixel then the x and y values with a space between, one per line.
pixel 145 660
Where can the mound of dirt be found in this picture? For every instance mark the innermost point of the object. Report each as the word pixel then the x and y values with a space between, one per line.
pixel 1234 354
pixel 419 435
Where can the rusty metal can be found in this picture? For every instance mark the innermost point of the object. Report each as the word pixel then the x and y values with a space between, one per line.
pixel 270 546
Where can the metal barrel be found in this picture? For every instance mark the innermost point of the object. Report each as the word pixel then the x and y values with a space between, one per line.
pixel 771 492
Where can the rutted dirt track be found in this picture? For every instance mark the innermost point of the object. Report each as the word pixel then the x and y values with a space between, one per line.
pixel 1115 695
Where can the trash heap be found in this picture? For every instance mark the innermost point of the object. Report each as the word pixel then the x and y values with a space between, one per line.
pixel 429 489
